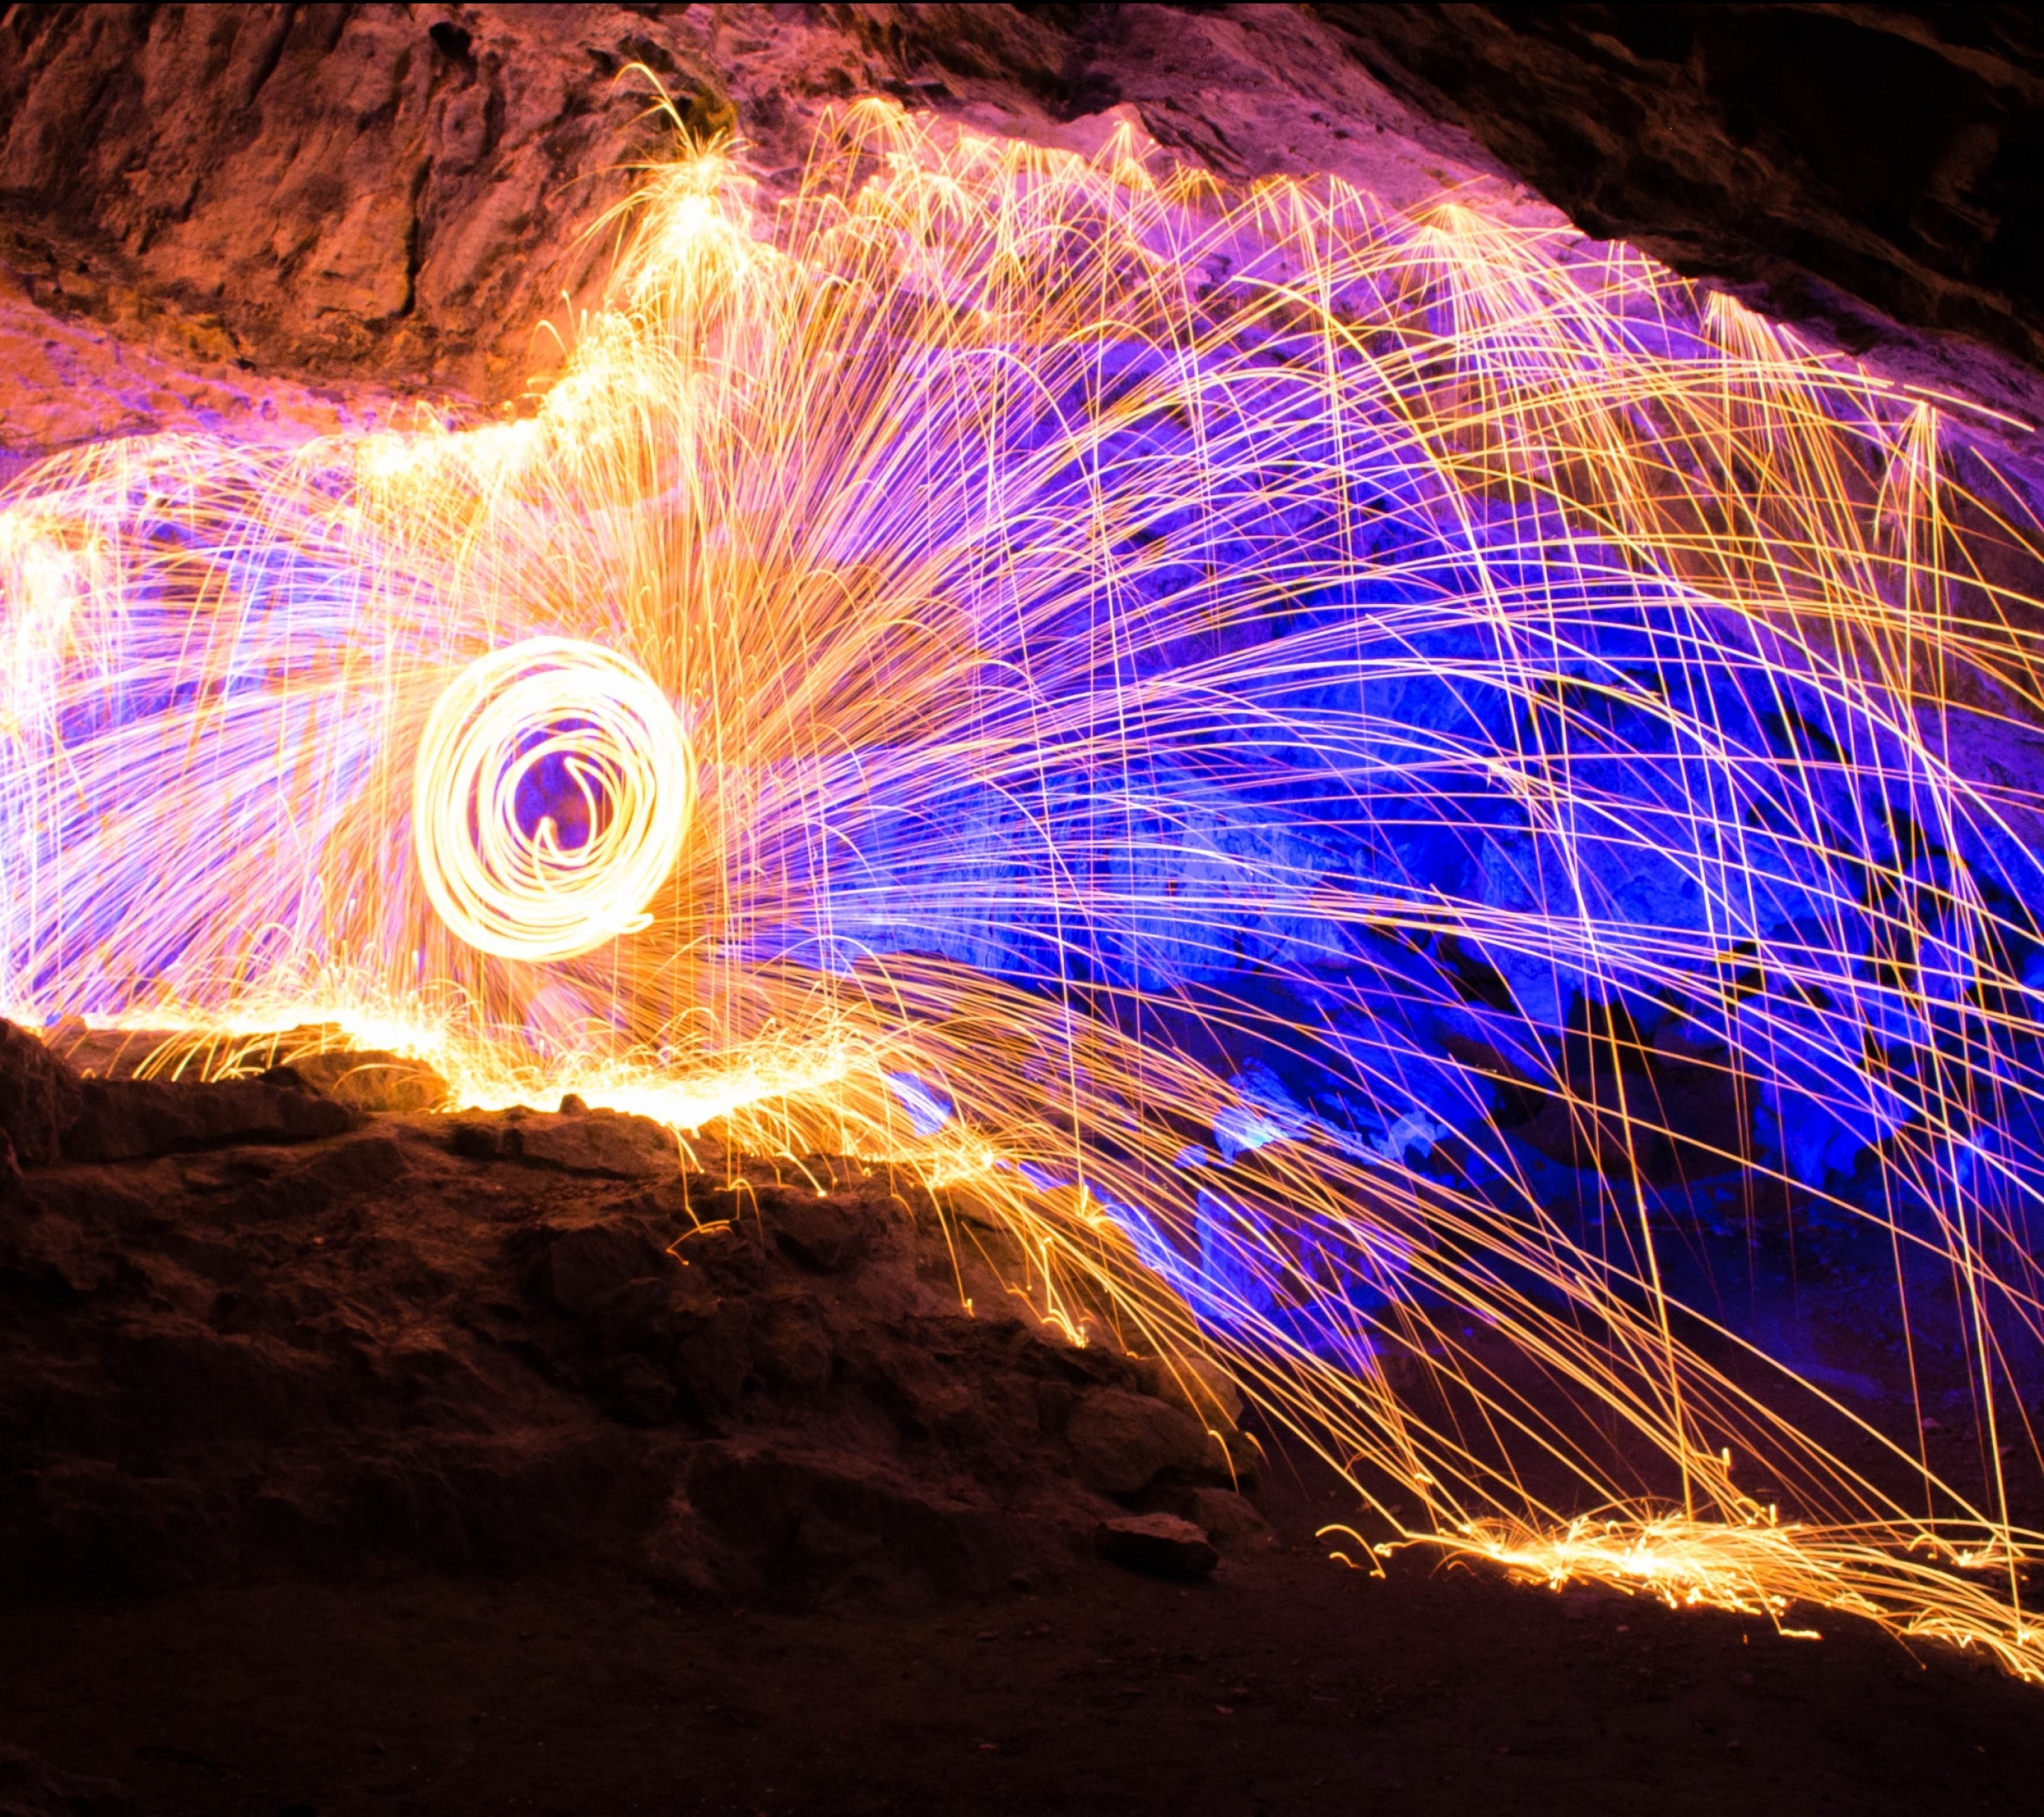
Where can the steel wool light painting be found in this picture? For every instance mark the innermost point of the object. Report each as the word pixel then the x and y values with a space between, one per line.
pixel 500 872
pixel 1413 803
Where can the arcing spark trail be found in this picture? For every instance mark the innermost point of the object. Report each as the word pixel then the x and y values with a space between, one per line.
pixel 1410 802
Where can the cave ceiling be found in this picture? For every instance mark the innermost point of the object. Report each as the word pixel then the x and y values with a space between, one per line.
pixel 308 216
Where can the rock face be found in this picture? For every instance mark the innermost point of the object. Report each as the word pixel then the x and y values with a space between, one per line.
pixel 363 1079
pixel 133 1120
pixel 577 1141
pixel 1121 1442
pixel 359 201
pixel 49 1112
pixel 372 1081
pixel 1817 153
pixel 313 187
pixel 331 1340
pixel 39 1100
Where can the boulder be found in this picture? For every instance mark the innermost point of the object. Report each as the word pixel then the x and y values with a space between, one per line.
pixel 604 1143
pixel 800 1514
pixel 372 1080
pixel 825 1235
pixel 109 1053
pixel 1122 1442
pixel 1158 1546
pixel 1203 1387
pixel 1231 1521
pixel 578 1269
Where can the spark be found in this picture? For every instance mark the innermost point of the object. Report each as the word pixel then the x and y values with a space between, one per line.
pixel 1409 803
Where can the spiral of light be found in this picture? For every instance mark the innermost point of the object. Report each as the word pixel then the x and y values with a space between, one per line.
pixel 598 721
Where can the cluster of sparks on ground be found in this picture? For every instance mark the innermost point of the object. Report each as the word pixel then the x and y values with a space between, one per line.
pixel 972 611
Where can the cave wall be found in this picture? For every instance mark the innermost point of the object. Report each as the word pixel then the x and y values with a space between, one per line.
pixel 376 200
pixel 380 202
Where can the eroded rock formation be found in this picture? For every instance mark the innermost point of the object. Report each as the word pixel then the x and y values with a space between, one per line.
pixel 362 203
pixel 278 1322
pixel 365 204
pixel 247 1328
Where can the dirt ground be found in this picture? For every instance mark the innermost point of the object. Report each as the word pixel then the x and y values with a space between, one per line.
pixel 1286 1684
pixel 348 1678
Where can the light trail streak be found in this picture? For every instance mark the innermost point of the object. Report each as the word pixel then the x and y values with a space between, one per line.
pixel 548 709
pixel 1427 812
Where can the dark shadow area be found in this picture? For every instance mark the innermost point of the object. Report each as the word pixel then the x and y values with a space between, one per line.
pixel 1817 153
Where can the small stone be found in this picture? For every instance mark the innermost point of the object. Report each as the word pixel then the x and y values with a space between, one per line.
pixel 1158 1546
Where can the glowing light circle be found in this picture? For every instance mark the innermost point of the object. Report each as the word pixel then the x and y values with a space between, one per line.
pixel 549 707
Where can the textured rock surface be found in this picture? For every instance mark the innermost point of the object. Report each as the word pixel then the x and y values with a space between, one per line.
pixel 582 1142
pixel 363 1079
pixel 278 220
pixel 372 1348
pixel 1122 1442
pixel 133 1120
pixel 362 203
pixel 39 1100
pixel 30 1788
pixel 372 1081
pixel 412 1339
pixel 1158 1546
